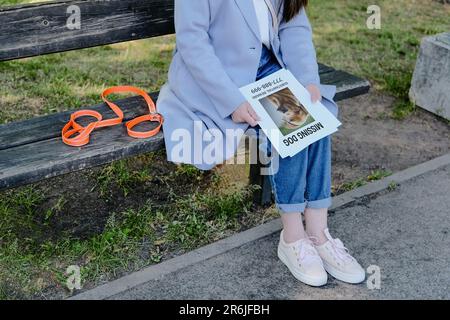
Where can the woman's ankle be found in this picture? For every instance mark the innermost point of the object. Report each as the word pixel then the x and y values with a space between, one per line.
pixel 293 229
pixel 318 236
pixel 316 222
pixel 291 236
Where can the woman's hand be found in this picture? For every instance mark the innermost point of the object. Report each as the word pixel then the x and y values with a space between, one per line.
pixel 314 91
pixel 245 113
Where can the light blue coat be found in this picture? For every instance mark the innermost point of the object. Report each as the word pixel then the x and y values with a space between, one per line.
pixel 218 49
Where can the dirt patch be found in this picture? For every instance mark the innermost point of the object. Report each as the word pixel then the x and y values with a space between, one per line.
pixel 81 208
pixel 371 140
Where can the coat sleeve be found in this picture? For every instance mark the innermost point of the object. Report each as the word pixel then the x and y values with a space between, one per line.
pixel 192 20
pixel 298 50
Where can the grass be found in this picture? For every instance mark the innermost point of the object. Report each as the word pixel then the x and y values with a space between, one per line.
pixel 38 237
pixel 374 176
pixel 120 174
pixel 33 258
pixel 387 56
pixel 16 2
pixel 52 83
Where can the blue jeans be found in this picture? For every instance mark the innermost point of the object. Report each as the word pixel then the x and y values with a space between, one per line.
pixel 303 180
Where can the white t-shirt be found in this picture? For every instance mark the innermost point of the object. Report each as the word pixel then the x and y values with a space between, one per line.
pixel 262 13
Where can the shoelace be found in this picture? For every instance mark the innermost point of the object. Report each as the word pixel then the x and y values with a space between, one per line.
pixel 340 250
pixel 306 252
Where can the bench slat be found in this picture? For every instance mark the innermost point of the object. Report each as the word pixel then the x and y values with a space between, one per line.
pixel 42 28
pixel 47 127
pixel 32 150
pixel 45 159
pixel 348 85
pixel 325 69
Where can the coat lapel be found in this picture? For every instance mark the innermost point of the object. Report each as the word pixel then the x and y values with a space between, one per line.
pixel 248 11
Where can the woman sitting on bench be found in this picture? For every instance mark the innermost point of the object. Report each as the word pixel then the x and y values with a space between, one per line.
pixel 222 45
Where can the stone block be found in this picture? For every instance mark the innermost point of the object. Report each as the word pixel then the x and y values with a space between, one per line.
pixel 430 87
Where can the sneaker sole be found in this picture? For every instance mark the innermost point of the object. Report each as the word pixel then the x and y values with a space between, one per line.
pixel 342 276
pixel 311 281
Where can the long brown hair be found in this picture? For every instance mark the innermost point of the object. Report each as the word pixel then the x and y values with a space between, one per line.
pixel 292 8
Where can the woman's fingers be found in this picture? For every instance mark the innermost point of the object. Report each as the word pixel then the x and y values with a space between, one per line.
pixel 245 113
pixel 250 120
pixel 253 116
pixel 318 96
pixel 314 91
pixel 253 113
pixel 314 96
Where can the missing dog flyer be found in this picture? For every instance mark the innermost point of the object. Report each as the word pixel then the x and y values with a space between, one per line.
pixel 288 117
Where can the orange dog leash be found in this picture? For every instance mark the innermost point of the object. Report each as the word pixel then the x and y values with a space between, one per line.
pixel 72 127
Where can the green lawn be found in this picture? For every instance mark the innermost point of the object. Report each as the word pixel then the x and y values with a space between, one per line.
pixel 386 57
pixel 33 256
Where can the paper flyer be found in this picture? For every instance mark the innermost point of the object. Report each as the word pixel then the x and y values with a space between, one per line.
pixel 288 117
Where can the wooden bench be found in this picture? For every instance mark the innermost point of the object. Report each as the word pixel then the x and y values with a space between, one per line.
pixel 32 150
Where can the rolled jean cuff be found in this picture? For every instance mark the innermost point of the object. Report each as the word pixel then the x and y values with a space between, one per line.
pixel 320 204
pixel 291 207
pixel 300 207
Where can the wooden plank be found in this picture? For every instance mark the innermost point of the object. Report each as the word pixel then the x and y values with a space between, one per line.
pixel 263 195
pixel 42 28
pixel 47 127
pixel 45 159
pixel 325 69
pixel 348 85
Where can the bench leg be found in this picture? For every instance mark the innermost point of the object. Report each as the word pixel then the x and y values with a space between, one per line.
pixel 263 195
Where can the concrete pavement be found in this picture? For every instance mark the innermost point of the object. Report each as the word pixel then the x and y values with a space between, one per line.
pixel 404 232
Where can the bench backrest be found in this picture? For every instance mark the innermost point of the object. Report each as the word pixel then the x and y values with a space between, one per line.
pixel 58 26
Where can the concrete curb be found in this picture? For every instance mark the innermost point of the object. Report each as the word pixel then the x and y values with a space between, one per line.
pixel 397 178
pixel 159 270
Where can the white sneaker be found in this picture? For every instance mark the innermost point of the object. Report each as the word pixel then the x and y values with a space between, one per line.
pixel 303 261
pixel 338 262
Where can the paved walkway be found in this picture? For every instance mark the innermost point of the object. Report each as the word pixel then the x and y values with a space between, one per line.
pixel 404 232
